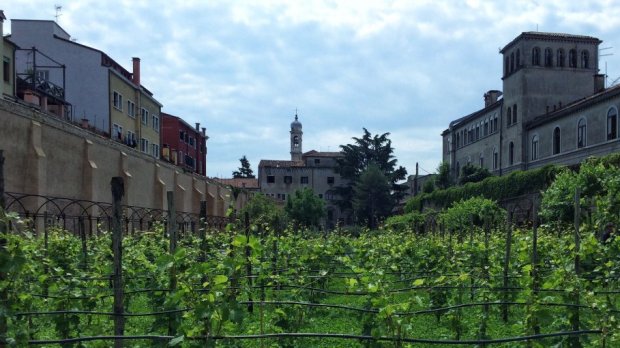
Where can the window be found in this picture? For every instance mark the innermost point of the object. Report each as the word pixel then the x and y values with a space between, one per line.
pixel 330 180
pixel 507 66
pixel 486 128
pixel 320 195
pixel 181 135
pixel 117 132
pixel 582 134
pixel 131 139
pixel 514 114
pixel 556 140
pixel 155 122
pixel 144 113
pixel 271 179
pixel 536 56
pixel 155 150
pixel 458 140
pixel 43 75
pixel 477 132
pixel 481 161
pixel 548 56
pixel 560 58
pixel 511 153
pixel 495 123
pixel 288 179
pixel 131 109
pixel 191 141
pixel 144 145
pixel 303 180
pixel 509 117
pixel 518 59
pixel 585 57
pixel 612 124
pixel 118 100
pixel 495 159
pixel 535 147
pixel 572 59
pixel 317 161
pixel 512 62
pixel 6 69
pixel 330 196
pixel 296 141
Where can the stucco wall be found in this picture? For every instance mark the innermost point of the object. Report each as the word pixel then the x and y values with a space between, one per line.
pixel 46 156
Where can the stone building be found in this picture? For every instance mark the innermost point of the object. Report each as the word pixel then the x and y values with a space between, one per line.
pixel 313 169
pixel 554 108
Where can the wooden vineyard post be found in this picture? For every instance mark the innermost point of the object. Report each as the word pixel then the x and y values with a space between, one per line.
pixel 535 270
pixel 248 264
pixel 4 300
pixel 118 190
pixel 274 255
pixel 82 229
pixel 507 266
pixel 487 279
pixel 471 245
pixel 172 232
pixel 202 231
pixel 574 315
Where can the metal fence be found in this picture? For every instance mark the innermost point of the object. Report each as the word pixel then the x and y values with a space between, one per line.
pixel 90 218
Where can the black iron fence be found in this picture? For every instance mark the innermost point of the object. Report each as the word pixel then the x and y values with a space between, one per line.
pixel 90 218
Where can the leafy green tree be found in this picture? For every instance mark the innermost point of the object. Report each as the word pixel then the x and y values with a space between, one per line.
pixel 263 210
pixel 372 200
pixel 245 171
pixel 472 173
pixel 444 179
pixel 305 208
pixel 356 159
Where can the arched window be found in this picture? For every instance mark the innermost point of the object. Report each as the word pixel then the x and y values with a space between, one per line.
pixel 458 140
pixel 582 133
pixel 495 123
pixel 507 66
pixel 572 59
pixel 512 62
pixel 556 140
pixel 518 59
pixel 514 114
pixel 495 158
pixel 612 124
pixel 585 57
pixel 560 58
pixel 458 169
pixel 535 147
pixel 511 153
pixel 481 160
pixel 509 117
pixel 295 141
pixel 548 56
pixel 536 56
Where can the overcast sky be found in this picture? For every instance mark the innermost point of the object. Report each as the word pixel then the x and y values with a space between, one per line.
pixel 242 68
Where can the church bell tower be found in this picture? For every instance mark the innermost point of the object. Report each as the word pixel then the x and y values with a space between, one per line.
pixel 296 137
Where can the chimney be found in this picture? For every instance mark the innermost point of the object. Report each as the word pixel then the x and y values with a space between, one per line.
pixel 136 70
pixel 491 97
pixel 197 126
pixel 204 130
pixel 599 83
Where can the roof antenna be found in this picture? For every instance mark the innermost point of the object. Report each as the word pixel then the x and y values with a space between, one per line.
pixel 58 9
pixel 295 114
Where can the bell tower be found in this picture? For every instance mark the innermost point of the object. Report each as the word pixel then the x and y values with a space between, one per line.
pixel 296 139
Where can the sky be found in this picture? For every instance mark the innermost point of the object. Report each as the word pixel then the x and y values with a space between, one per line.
pixel 244 68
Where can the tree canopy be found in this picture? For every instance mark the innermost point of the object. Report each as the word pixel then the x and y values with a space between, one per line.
pixel 357 158
pixel 245 171
pixel 372 200
pixel 305 208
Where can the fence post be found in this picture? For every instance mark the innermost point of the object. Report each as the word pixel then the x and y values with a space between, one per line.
pixel 4 295
pixel 118 190
pixel 507 267
pixel 248 264
pixel 172 231
pixel 82 229
pixel 574 316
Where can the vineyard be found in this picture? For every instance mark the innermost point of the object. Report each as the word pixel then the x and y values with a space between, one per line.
pixel 260 287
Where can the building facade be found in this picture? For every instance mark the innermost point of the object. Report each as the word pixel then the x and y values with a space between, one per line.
pixel 554 108
pixel 7 53
pixel 104 96
pixel 184 145
pixel 315 170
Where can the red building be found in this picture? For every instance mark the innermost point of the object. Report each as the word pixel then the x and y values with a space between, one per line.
pixel 184 145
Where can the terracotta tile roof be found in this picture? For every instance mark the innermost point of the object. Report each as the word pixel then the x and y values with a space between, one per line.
pixel 239 182
pixel 284 164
